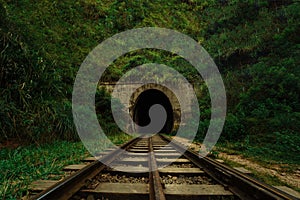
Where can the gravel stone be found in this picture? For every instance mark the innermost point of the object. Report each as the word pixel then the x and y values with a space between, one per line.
pixel 183 165
pixel 181 179
pixel 107 177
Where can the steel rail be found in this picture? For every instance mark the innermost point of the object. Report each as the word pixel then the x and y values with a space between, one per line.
pixel 155 187
pixel 66 188
pixel 243 186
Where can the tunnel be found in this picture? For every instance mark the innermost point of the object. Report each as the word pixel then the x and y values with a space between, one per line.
pixel 143 103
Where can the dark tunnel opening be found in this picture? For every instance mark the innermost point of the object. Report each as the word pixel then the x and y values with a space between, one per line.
pixel 144 102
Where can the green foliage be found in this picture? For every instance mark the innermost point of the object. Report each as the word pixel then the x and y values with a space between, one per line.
pixel 254 43
pixel 104 112
pixel 233 128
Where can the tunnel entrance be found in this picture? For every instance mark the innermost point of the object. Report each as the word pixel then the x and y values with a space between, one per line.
pixel 143 103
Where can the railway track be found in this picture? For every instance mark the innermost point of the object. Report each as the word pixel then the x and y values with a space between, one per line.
pixel 155 168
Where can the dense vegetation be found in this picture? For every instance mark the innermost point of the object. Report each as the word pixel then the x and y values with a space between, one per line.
pixel 255 44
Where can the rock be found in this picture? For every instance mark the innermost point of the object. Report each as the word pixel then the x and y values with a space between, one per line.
pixel 90 197
pixel 220 161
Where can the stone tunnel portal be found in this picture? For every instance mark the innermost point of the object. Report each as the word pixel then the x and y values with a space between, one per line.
pixel 143 103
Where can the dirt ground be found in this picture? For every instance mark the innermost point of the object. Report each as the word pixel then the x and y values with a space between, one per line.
pixel 10 144
pixel 277 170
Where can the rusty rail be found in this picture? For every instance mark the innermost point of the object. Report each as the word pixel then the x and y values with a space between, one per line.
pixel 155 186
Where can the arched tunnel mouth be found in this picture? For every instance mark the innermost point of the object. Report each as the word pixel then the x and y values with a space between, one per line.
pixel 143 104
